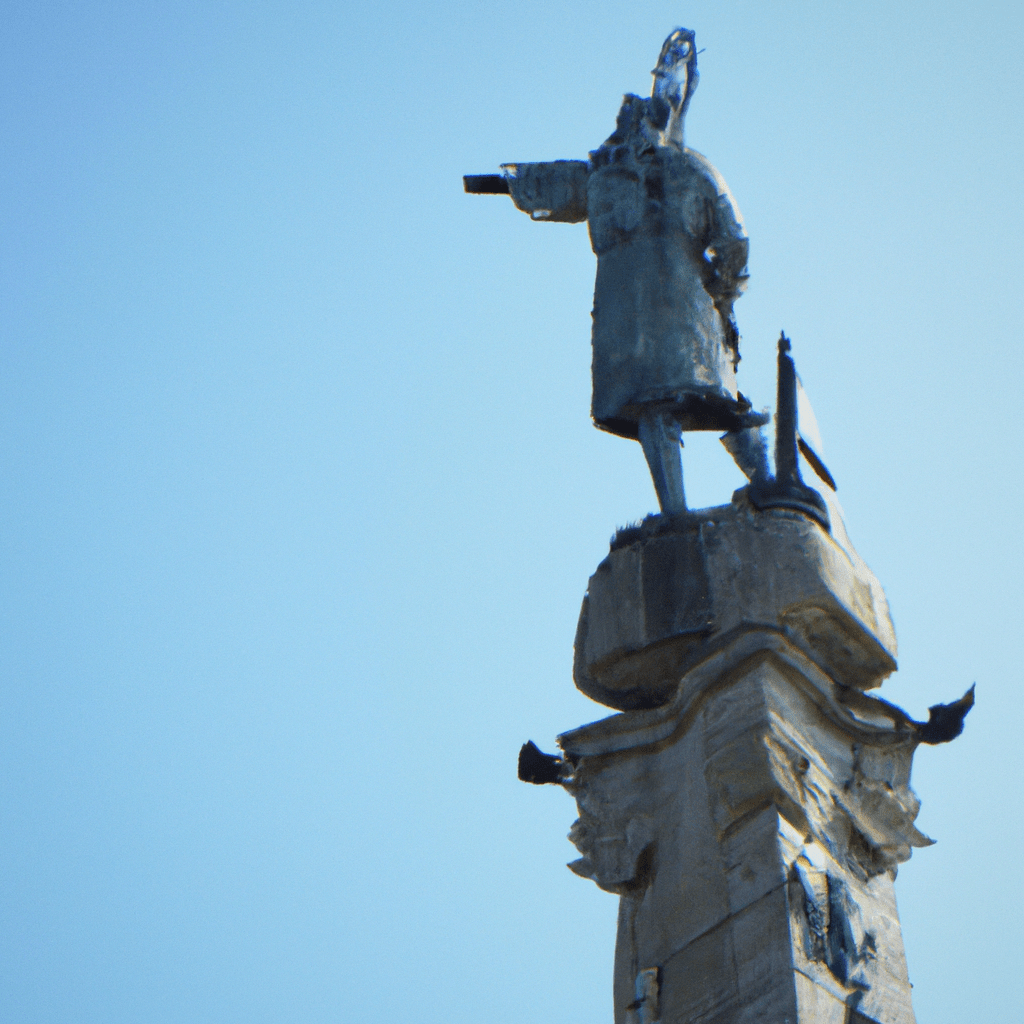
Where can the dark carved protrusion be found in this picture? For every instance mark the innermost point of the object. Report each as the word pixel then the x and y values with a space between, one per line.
pixel 946 721
pixel 485 184
pixel 537 767
pixel 787 488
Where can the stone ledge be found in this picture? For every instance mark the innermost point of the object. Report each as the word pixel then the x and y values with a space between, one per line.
pixel 866 718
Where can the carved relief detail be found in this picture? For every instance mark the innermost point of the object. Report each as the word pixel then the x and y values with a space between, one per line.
pixel 854 798
pixel 835 933
pixel 617 850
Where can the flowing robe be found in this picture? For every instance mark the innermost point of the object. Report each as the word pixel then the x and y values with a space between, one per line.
pixel 671 253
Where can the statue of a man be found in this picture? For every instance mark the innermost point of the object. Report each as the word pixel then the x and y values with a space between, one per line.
pixel 671 260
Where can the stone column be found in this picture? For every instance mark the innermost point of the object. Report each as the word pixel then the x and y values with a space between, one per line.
pixel 750 803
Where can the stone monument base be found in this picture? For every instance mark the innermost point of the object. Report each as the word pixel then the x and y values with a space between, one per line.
pixel 752 827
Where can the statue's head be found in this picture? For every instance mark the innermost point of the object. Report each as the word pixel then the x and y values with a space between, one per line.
pixel 676 76
pixel 647 124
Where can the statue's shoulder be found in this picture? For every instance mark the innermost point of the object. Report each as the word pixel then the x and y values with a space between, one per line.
pixel 703 168
pixel 714 182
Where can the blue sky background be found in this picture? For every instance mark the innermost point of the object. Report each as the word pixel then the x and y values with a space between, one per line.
pixel 301 493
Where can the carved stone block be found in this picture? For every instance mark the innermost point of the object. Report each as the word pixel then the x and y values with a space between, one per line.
pixel 660 601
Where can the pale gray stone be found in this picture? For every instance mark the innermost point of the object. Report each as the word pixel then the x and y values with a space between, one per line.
pixel 818 1005
pixel 646 1007
pixel 752 826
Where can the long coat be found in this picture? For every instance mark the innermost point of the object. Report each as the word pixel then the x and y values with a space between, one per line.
pixel 671 253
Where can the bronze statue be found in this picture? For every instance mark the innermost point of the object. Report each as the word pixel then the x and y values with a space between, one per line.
pixel 671 260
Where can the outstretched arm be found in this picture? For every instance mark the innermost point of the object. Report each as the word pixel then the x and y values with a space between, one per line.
pixel 556 190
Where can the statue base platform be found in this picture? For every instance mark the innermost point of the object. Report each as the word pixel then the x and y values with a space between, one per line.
pixel 675 588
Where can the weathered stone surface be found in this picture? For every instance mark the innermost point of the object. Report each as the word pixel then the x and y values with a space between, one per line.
pixel 752 827
pixel 655 606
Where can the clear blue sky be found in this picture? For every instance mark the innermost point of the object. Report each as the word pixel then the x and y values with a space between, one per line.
pixel 301 494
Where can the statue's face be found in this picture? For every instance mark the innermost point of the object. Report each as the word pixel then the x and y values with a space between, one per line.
pixel 675 76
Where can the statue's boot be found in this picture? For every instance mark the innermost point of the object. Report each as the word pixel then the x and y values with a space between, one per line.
pixel 661 438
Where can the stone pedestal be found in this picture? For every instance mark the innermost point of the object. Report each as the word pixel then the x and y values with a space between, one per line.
pixel 752 804
pixel 669 588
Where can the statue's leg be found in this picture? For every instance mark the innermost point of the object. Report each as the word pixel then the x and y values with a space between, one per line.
pixel 661 438
pixel 749 450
